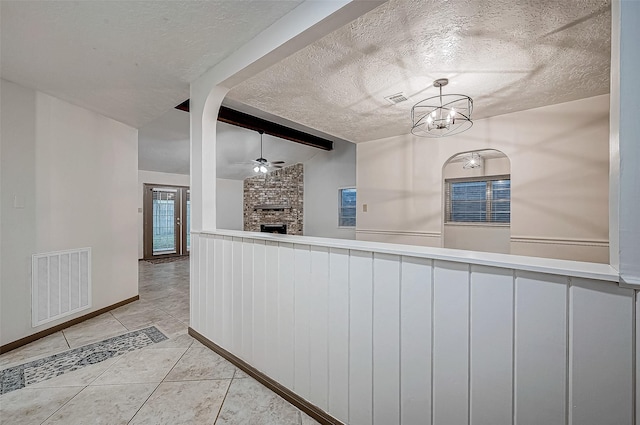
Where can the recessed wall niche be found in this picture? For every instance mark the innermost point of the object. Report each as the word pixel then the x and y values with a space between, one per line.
pixel 275 198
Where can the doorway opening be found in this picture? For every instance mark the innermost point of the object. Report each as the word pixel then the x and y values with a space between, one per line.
pixel 477 201
pixel 166 221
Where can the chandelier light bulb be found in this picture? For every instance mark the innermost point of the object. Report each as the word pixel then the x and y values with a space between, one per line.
pixel 453 112
pixel 433 114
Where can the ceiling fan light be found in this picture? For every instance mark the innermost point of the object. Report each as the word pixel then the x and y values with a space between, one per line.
pixel 263 169
pixel 256 169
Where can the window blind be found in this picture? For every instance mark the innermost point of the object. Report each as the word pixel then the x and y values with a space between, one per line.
pixel 478 200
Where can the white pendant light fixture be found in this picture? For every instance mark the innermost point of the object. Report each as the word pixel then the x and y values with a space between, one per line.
pixel 442 115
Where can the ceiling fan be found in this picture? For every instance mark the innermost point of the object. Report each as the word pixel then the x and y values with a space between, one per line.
pixel 261 165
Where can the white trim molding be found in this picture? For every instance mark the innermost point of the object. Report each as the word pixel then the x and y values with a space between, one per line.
pixel 400 233
pixel 569 268
pixel 561 241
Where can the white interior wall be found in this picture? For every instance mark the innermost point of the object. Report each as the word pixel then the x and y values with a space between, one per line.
pixel 229 204
pixel 559 175
pixel 68 181
pixel 477 237
pixel 324 174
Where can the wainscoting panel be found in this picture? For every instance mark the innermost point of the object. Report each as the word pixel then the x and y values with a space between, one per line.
pixel 286 317
pixel 227 291
pixel 386 339
pixel 361 338
pixel 218 290
pixel 204 286
pixel 541 349
pixel 416 305
pixel 491 367
pixel 212 286
pixel 259 317
pixel 272 309
pixel 302 307
pixel 380 336
pixel 318 327
pixel 338 333
pixel 450 343
pixel 599 347
pixel 247 299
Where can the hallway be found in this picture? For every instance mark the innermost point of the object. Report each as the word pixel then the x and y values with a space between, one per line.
pixel 135 365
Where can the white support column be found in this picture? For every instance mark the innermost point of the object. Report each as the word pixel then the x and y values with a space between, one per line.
pixel 629 140
pixel 204 105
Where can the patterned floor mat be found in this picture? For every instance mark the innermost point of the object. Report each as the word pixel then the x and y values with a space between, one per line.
pixel 35 371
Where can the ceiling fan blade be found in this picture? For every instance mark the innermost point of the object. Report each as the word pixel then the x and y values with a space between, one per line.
pixel 277 162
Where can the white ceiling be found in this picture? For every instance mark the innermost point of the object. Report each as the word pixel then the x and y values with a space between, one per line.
pixel 128 60
pixel 163 145
pixel 507 55
pixel 133 61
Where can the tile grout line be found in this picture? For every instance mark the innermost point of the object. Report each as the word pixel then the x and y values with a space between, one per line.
pixel 118 320
pixel 225 395
pixel 65 338
pixel 145 402
pixel 65 403
pixel 158 385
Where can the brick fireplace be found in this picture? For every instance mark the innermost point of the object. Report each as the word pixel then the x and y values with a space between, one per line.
pixel 275 201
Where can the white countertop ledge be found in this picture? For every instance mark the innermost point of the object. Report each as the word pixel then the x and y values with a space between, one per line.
pixel 516 262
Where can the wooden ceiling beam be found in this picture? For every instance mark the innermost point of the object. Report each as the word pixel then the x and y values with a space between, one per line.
pixel 240 119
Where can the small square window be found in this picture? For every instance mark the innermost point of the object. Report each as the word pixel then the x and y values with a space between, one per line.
pixel 347 207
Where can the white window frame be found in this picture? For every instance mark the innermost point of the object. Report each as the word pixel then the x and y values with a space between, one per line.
pixel 340 189
pixel 447 200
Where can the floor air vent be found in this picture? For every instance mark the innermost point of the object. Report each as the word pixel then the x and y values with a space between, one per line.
pixel 60 284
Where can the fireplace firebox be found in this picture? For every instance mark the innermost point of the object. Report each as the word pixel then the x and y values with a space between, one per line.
pixel 274 228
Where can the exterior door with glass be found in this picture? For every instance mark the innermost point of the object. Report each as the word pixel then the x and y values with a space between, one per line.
pixel 166 221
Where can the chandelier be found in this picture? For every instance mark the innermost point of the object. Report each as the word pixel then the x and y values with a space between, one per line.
pixel 443 115
pixel 473 161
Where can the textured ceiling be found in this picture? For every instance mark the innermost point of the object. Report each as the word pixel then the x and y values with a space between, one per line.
pixel 163 145
pixel 507 55
pixel 128 60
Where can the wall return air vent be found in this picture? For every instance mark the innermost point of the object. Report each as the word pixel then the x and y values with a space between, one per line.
pixel 61 284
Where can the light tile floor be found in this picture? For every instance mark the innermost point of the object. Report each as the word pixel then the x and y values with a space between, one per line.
pixel 177 381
